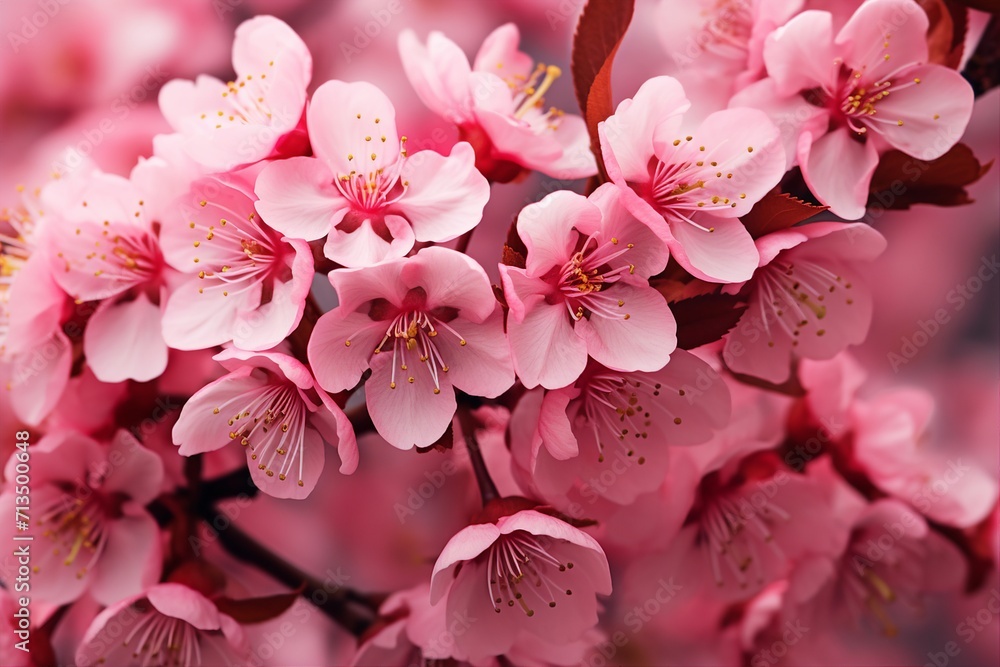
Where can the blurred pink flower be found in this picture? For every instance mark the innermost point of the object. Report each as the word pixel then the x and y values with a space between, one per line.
pixel 523 574
pixel 498 104
pixel 170 624
pixel 270 404
pixel 251 283
pixel 806 300
pixel 226 125
pixel 94 533
pixel 826 93
pixel 584 290
pixel 438 313
pixel 692 188
pixel 362 189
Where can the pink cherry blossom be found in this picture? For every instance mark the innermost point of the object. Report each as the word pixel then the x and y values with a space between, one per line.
pixel 270 404
pixel 690 188
pixel 840 100
pixel 170 624
pixel 613 430
pixel 498 104
pixel 584 291
pixel 103 248
pixel 92 531
pixel 437 312
pixel 524 574
pixel 247 283
pixel 806 300
pixel 889 432
pixel 362 190
pixel 225 125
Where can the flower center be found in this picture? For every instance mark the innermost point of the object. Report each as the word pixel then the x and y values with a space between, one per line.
pixel 732 529
pixel 528 93
pixel 241 253
pixel 585 279
pixel 796 294
pixel 271 422
pixel 163 640
pixel 521 571
pixel 76 525
pixel 413 333
pixel 245 102
pixel 727 29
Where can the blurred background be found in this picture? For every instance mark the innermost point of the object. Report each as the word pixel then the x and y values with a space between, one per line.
pixel 86 73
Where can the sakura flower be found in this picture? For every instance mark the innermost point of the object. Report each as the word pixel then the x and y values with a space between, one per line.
pixel 251 283
pixel 840 100
pixel 888 434
pixel 103 248
pixel 498 104
pixel 437 313
pixel 526 573
pixel 617 427
pixel 169 624
pixel 270 404
pixel 691 188
pixel 584 291
pixel 93 532
pixel 362 190
pixel 806 300
pixel 225 125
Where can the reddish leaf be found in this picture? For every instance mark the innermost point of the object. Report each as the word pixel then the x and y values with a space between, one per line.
pixel 991 6
pixel 946 32
pixel 777 211
pixel 706 319
pixel 900 181
pixel 258 610
pixel 598 35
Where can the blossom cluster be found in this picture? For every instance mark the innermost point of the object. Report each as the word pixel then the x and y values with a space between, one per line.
pixel 634 411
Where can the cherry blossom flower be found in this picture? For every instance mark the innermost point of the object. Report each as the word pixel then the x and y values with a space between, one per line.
pixel 617 426
pixel 168 624
pixel 270 404
pixel 691 188
pixel 498 104
pixel 251 283
pixel 225 125
pixel 103 248
pixel 362 189
pixel 584 291
pixel 437 313
pixel 524 573
pixel 840 100
pixel 806 300
pixel 92 531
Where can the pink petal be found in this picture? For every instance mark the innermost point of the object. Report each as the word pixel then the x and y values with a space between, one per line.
pixel 199 428
pixel 446 194
pixel 123 341
pixel 629 137
pixel 554 427
pixel 298 198
pixel 545 348
pixel 500 54
pixel 356 287
pixel 463 546
pixel 339 366
pixel 410 414
pixel 838 169
pixel 179 601
pixel 439 74
pixel 549 229
pixel 648 253
pixel 727 254
pixel 137 472
pixel 39 376
pixel 481 367
pixel 336 429
pixel 269 324
pixel 799 55
pixel 266 45
pixel 337 131
pixel 132 558
pixel 60 456
pixel 900 23
pixel 791 114
pixel 313 458
pixel 934 113
pixel 450 279
pixel 365 246
pixel 194 320
pixel 643 342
